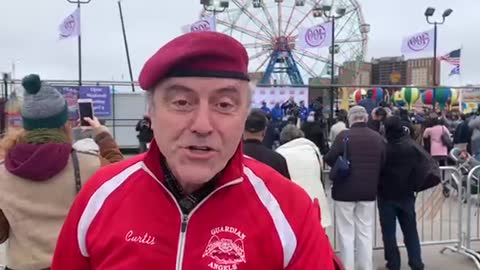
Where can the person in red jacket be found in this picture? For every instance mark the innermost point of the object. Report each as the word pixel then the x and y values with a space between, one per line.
pixel 193 200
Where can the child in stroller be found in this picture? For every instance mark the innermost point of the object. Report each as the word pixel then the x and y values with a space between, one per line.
pixel 464 163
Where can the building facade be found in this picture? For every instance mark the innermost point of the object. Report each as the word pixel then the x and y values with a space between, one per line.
pixel 348 73
pixel 420 72
pixel 389 71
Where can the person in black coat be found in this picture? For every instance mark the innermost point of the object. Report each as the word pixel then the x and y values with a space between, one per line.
pixel 396 198
pixel 379 115
pixel 355 195
pixel 145 133
pixel 463 133
pixel 255 129
pixel 314 129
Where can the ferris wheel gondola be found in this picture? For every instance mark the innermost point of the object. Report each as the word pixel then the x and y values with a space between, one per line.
pixel 269 31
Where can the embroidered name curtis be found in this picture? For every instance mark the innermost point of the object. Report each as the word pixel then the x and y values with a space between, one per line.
pixel 145 239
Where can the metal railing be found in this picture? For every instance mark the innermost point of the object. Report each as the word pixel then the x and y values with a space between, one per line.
pixel 438 213
pixel 471 195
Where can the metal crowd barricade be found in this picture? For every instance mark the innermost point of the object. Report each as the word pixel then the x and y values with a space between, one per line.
pixel 463 246
pixel 436 213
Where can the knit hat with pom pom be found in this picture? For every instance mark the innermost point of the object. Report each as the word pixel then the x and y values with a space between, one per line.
pixel 43 106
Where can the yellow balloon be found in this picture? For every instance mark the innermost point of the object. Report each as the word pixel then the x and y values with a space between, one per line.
pixel 455 94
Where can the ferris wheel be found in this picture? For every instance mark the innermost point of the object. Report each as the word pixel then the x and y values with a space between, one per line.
pixel 269 29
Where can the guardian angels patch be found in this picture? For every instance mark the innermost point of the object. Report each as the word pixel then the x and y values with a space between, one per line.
pixel 225 249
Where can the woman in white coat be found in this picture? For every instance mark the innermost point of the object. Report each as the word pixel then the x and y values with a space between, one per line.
pixel 303 162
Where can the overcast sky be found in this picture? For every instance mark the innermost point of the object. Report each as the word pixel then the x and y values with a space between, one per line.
pixel 29 35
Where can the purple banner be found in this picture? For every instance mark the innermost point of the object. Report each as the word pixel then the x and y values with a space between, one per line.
pixel 101 98
pixel 71 96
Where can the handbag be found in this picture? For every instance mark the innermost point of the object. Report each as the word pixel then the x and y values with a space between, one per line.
pixel 446 140
pixel 76 168
pixel 342 167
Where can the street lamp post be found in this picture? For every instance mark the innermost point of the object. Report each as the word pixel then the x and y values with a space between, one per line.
pixel 428 14
pixel 79 3
pixel 326 11
pixel 209 5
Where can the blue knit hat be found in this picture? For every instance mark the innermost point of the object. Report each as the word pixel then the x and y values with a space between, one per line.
pixel 43 106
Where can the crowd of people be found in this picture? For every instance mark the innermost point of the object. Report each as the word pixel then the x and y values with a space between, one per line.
pixel 393 154
pixel 192 199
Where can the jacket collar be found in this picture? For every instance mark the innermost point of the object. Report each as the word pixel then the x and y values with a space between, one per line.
pixel 233 171
pixel 359 125
pixel 252 141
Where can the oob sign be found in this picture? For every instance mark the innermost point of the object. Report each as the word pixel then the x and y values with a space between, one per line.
pixel 203 25
pixel 419 42
pixel 315 37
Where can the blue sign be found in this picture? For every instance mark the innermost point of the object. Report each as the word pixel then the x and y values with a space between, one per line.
pixel 101 98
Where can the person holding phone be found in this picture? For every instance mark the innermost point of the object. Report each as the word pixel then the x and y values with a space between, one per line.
pixel 193 200
pixel 41 175
pixel 85 109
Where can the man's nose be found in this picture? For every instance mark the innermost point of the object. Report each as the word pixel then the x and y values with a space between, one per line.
pixel 202 124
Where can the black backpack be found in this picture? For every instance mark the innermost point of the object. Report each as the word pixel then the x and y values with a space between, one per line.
pixel 426 173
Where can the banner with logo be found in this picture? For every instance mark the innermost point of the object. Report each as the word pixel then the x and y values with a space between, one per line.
pixel 273 95
pixel 70 93
pixel 315 37
pixel 204 25
pixel 101 98
pixel 70 27
pixel 419 42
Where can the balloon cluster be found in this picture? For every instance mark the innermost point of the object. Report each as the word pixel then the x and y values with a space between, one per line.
pixel 361 93
pixel 408 96
pixel 445 97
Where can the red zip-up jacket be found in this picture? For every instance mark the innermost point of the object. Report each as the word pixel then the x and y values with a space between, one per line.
pixel 126 218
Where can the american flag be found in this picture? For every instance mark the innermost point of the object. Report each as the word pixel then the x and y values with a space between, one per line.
pixel 453 58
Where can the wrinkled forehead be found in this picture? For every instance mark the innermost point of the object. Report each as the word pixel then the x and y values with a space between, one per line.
pixel 203 86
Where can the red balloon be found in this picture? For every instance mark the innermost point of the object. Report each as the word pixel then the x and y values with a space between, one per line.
pixel 427 97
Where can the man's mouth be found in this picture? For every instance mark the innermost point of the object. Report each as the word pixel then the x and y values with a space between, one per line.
pixel 198 148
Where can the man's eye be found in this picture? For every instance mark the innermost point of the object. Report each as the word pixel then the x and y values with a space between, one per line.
pixel 180 103
pixel 225 106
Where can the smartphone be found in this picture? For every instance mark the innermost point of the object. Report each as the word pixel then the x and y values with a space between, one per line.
pixel 85 109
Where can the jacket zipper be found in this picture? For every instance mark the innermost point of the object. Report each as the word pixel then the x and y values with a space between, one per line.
pixel 181 242
pixel 185 218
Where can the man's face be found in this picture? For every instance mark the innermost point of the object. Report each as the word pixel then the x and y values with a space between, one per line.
pixel 198 124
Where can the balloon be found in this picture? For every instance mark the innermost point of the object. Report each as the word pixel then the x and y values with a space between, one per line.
pixel 410 95
pixel 427 97
pixel 358 95
pixel 442 96
pixel 454 96
pixel 398 99
pixel 377 94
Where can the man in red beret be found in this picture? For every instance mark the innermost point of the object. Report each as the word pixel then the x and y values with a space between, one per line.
pixel 194 201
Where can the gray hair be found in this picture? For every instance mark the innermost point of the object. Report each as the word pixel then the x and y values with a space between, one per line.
pixel 357 114
pixel 290 133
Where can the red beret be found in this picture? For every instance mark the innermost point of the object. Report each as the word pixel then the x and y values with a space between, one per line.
pixel 197 54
